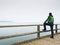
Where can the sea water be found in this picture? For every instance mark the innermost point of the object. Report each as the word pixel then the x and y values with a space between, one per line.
pixel 19 30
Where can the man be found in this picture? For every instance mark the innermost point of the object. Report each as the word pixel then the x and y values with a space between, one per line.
pixel 49 21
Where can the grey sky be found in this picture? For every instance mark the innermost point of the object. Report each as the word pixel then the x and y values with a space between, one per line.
pixel 29 10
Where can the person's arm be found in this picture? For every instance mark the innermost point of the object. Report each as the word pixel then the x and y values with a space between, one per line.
pixel 46 19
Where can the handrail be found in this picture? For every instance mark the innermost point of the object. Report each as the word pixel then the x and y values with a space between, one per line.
pixel 38 30
pixel 4 26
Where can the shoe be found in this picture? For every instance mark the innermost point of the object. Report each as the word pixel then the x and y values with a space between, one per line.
pixel 44 30
pixel 52 37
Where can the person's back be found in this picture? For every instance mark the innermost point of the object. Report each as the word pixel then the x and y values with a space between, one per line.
pixel 50 19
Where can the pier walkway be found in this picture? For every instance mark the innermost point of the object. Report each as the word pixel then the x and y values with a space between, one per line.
pixel 43 41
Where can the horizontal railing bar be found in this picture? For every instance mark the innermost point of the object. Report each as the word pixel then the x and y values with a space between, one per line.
pixel 58 29
pixel 9 36
pixel 18 25
pixel 4 26
pixel 46 31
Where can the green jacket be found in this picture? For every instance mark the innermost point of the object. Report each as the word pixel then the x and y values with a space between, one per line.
pixel 50 19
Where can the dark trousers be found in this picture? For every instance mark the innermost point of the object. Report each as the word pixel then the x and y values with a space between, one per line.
pixel 51 27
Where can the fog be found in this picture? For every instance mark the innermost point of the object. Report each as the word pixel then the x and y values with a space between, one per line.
pixel 29 11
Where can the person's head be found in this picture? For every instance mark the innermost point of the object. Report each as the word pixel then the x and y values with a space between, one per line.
pixel 50 14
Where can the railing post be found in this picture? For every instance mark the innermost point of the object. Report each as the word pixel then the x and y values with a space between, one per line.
pixel 56 28
pixel 38 29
